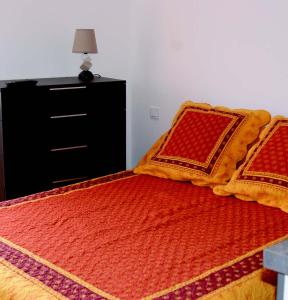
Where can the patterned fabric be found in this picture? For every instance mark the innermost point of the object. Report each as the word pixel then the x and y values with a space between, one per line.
pixel 218 279
pixel 68 188
pixel 273 156
pixel 264 175
pixel 134 237
pixel 46 275
pixel 204 144
pixel 193 137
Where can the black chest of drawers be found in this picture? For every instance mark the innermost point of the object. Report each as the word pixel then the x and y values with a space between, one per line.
pixel 59 132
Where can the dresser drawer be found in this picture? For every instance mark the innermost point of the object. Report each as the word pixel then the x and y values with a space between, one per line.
pixel 68 163
pixel 67 101
pixel 60 131
pixel 67 130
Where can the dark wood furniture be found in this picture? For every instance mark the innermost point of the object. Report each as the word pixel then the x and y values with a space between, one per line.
pixel 60 131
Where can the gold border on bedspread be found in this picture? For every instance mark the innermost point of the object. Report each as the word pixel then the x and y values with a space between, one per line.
pixel 44 272
pixel 26 268
pixel 68 188
pixel 56 280
pixel 251 260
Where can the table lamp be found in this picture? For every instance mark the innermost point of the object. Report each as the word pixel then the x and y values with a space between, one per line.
pixel 85 42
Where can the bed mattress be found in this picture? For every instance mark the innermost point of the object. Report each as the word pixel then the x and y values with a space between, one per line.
pixel 129 236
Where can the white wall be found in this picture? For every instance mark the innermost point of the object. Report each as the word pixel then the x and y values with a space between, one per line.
pixel 36 39
pixel 224 52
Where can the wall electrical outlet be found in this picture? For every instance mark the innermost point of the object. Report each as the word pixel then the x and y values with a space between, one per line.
pixel 154 112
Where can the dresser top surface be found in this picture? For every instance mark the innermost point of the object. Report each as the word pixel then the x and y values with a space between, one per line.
pixel 60 81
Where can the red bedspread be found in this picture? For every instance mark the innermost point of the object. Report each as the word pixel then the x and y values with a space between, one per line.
pixel 137 236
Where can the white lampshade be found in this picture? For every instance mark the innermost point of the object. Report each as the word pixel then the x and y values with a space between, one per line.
pixel 84 41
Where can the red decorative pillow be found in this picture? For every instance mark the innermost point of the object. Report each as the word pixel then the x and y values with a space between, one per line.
pixel 264 175
pixel 204 144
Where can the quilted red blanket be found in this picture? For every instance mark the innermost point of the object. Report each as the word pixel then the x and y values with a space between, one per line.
pixel 134 236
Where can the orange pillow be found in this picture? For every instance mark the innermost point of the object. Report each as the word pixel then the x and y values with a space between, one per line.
pixel 264 175
pixel 204 144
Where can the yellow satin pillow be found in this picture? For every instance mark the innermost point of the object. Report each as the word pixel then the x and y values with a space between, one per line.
pixel 263 176
pixel 204 144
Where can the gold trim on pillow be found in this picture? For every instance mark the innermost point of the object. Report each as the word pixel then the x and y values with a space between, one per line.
pixel 268 187
pixel 224 143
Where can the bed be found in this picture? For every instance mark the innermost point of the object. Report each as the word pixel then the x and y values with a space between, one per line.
pixel 148 233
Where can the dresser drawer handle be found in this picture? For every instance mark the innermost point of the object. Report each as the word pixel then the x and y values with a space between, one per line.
pixel 70 179
pixel 68 88
pixel 68 116
pixel 68 148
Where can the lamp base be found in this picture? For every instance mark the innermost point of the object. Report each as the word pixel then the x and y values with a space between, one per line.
pixel 86 76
